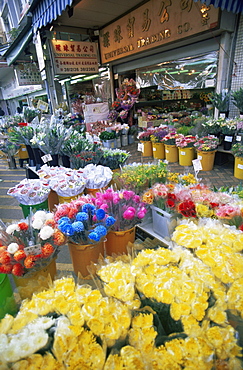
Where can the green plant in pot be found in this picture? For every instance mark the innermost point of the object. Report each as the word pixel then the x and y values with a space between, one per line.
pixel 237 150
pixel 220 101
pixel 105 135
pixel 237 97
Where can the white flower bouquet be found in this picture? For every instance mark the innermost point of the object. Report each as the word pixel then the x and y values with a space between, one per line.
pixel 30 191
pixel 97 176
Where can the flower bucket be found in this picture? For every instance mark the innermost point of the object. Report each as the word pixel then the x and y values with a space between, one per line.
pixel 53 200
pixel 117 241
pixel 227 143
pixel 186 156
pixel 171 153
pixel 22 153
pixel 93 191
pixel 68 199
pixel 124 140
pixel 7 301
pixel 158 150
pixel 238 168
pixel 83 255
pixel 36 282
pixel 147 149
pixel 206 159
pixel 164 223
pixel 34 207
pixel 109 143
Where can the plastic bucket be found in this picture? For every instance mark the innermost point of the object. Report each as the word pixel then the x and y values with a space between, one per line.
pixel 68 199
pixel 171 153
pixel 117 241
pixel 83 255
pixel 147 149
pixel 186 156
pixel 7 301
pixel 158 150
pixel 206 159
pixel 238 168
pixel 34 207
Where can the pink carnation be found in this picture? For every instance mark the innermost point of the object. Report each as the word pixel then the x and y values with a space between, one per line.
pixel 228 211
pixel 129 213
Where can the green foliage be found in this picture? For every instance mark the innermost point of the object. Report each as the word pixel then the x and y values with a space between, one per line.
pixel 238 98
pixel 237 150
pixel 220 101
pixel 184 130
pixel 105 135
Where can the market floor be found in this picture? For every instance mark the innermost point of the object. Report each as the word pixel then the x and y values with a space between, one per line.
pixel 10 210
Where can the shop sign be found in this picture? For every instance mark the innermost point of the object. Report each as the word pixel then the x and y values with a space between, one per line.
pixel 27 74
pixel 10 89
pixel 154 24
pixel 73 57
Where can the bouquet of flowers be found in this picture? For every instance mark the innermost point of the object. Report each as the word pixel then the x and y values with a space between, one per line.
pixel 237 150
pixel 97 177
pixel 30 113
pixel 145 135
pixel 185 141
pixel 228 126
pixel 158 135
pixel 124 205
pixel 82 221
pixel 206 143
pixel 170 138
pixel 161 196
pixel 30 191
pixel 114 158
pixel 86 157
pixel 29 245
pixel 68 184
pixel 212 126
pixel 23 135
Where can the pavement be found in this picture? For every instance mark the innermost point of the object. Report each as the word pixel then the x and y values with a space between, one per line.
pixel 10 210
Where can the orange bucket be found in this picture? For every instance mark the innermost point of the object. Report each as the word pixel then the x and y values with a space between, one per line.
pixel 117 241
pixel 83 255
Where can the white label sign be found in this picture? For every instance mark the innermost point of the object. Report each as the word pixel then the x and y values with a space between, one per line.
pixel 183 153
pixel 197 164
pixel 140 147
pixel 46 158
pixel 240 166
pixel 154 149
pixel 34 249
pixel 238 138
pixel 229 139
pixel 167 151
pixel 199 157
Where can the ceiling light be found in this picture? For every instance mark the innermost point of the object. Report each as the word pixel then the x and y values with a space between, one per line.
pixel 78 76
pixel 90 77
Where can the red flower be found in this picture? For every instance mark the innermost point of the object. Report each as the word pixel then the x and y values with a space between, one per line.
pixel 214 205
pixel 6 268
pixel 47 250
pixel 22 124
pixel 23 226
pixel 241 227
pixel 171 196
pixel 187 208
pixel 18 269
pixel 5 257
pixel 19 255
pixel 170 203
pixel 29 261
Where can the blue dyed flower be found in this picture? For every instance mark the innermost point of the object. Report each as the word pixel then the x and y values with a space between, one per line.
pixel 82 216
pixel 87 207
pixel 110 221
pixel 100 214
pixel 78 226
pixel 94 236
pixel 100 230
pixel 64 219
pixel 66 229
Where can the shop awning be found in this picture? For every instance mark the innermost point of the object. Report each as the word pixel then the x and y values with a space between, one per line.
pixel 48 10
pixel 234 6
pixel 12 53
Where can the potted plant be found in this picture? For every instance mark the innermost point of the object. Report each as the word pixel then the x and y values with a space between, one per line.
pixel 237 99
pixel 146 144
pixel 228 129
pixel 221 102
pixel 206 148
pixel 186 149
pixel 158 144
pixel 108 139
pixel 171 151
pixel 237 151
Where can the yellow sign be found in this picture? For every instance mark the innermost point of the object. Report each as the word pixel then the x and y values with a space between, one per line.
pixel 156 23
pixel 42 105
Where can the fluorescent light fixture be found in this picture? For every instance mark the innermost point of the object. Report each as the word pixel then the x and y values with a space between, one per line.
pixel 76 81
pixel 63 81
pixel 78 76
pixel 90 77
pixel 102 69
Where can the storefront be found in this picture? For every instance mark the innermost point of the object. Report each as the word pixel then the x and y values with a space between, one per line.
pixel 178 54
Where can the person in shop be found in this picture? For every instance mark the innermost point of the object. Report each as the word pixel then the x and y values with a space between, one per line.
pixel 2 113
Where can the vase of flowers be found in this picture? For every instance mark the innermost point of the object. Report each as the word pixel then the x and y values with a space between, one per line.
pixel 144 138
pixel 157 143
pixel 86 226
pixel 186 149
pixel 127 208
pixel 206 149
pixel 30 249
pixel 171 150
pixel 228 129
pixel 108 139
pixel 237 150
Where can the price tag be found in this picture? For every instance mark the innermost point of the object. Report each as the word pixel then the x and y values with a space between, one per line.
pixel 140 147
pixel 46 158
pixel 238 138
pixel 167 151
pixel 229 139
pixel 199 157
pixel 240 166
pixel 23 149
pixel 222 115
pixel 154 149
pixel 183 153
pixel 34 249
pixel 197 164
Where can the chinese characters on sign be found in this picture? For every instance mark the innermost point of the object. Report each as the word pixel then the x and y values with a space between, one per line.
pixel 27 74
pixel 72 57
pixel 156 23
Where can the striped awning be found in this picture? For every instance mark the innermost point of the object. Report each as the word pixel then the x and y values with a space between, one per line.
pixel 47 11
pixel 234 6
